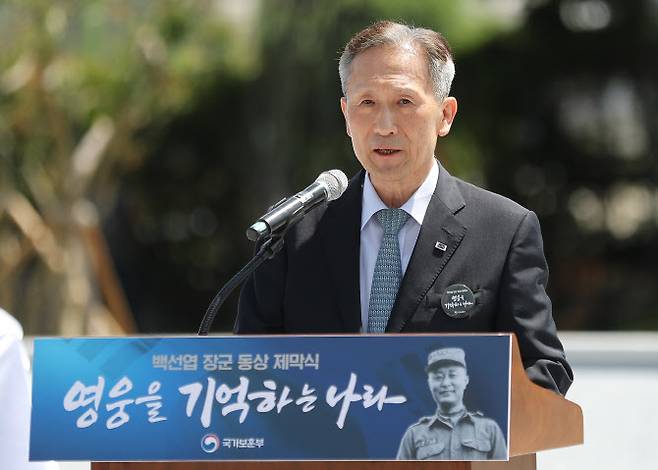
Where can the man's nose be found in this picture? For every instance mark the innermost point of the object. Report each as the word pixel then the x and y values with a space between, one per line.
pixel 445 381
pixel 385 124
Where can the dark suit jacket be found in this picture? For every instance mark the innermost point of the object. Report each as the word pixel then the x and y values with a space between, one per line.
pixel 494 246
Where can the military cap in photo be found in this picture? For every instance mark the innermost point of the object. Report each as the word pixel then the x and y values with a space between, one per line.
pixel 447 355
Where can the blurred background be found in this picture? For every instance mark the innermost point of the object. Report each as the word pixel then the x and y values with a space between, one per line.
pixel 139 139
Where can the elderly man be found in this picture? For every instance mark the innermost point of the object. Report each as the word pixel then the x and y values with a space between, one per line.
pixel 408 247
pixel 453 433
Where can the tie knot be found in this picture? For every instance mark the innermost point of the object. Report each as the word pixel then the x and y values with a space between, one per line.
pixel 392 220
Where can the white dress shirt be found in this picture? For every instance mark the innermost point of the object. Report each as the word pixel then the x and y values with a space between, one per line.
pixel 372 232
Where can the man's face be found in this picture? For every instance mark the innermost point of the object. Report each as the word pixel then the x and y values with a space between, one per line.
pixel 393 116
pixel 447 384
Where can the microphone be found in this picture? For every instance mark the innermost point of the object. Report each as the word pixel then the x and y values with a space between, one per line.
pixel 328 186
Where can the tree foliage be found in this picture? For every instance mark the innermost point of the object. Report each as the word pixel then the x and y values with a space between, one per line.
pixel 83 85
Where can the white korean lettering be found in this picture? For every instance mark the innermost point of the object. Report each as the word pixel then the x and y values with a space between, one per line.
pixel 79 396
pixel 153 403
pixel 347 397
pixel 224 394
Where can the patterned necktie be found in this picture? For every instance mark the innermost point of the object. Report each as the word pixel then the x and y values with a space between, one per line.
pixel 388 270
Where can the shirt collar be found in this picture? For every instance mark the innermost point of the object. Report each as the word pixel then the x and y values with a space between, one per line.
pixel 468 415
pixel 416 205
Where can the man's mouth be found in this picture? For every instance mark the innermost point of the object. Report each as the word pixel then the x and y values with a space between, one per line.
pixel 386 151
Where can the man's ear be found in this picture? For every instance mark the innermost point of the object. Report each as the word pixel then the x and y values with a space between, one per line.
pixel 343 108
pixel 447 116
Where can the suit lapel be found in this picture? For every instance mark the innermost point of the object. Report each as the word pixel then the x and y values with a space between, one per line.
pixel 340 233
pixel 427 262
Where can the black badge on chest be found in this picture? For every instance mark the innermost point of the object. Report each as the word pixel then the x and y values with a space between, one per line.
pixel 457 301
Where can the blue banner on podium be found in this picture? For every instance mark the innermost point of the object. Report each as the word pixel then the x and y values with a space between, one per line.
pixel 359 397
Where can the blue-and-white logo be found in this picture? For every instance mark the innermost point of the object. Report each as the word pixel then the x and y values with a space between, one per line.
pixel 210 443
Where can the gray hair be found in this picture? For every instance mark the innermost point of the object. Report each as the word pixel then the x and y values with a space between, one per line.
pixel 388 33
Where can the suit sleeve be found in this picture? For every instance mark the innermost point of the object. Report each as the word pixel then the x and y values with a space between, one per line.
pixel 526 310
pixel 260 308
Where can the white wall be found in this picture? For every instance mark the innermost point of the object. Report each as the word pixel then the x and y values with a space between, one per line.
pixel 616 384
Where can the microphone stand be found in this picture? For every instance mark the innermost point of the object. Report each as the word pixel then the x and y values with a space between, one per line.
pixel 271 247
pixel 267 250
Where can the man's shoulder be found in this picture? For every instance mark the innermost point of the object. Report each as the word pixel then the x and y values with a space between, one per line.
pixel 421 425
pixel 482 420
pixel 489 208
pixel 425 420
pixel 489 199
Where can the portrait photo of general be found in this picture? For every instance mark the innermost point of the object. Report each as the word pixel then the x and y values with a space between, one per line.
pixel 452 431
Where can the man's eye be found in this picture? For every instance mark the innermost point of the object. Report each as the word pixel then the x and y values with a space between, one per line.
pixel 404 101
pixel 367 102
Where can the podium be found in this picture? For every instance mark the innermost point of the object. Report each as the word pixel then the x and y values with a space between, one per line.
pixel 540 420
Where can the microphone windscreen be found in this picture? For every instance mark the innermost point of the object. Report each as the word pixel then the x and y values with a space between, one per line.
pixel 335 181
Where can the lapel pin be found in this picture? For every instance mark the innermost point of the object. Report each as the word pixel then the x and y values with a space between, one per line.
pixel 441 246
